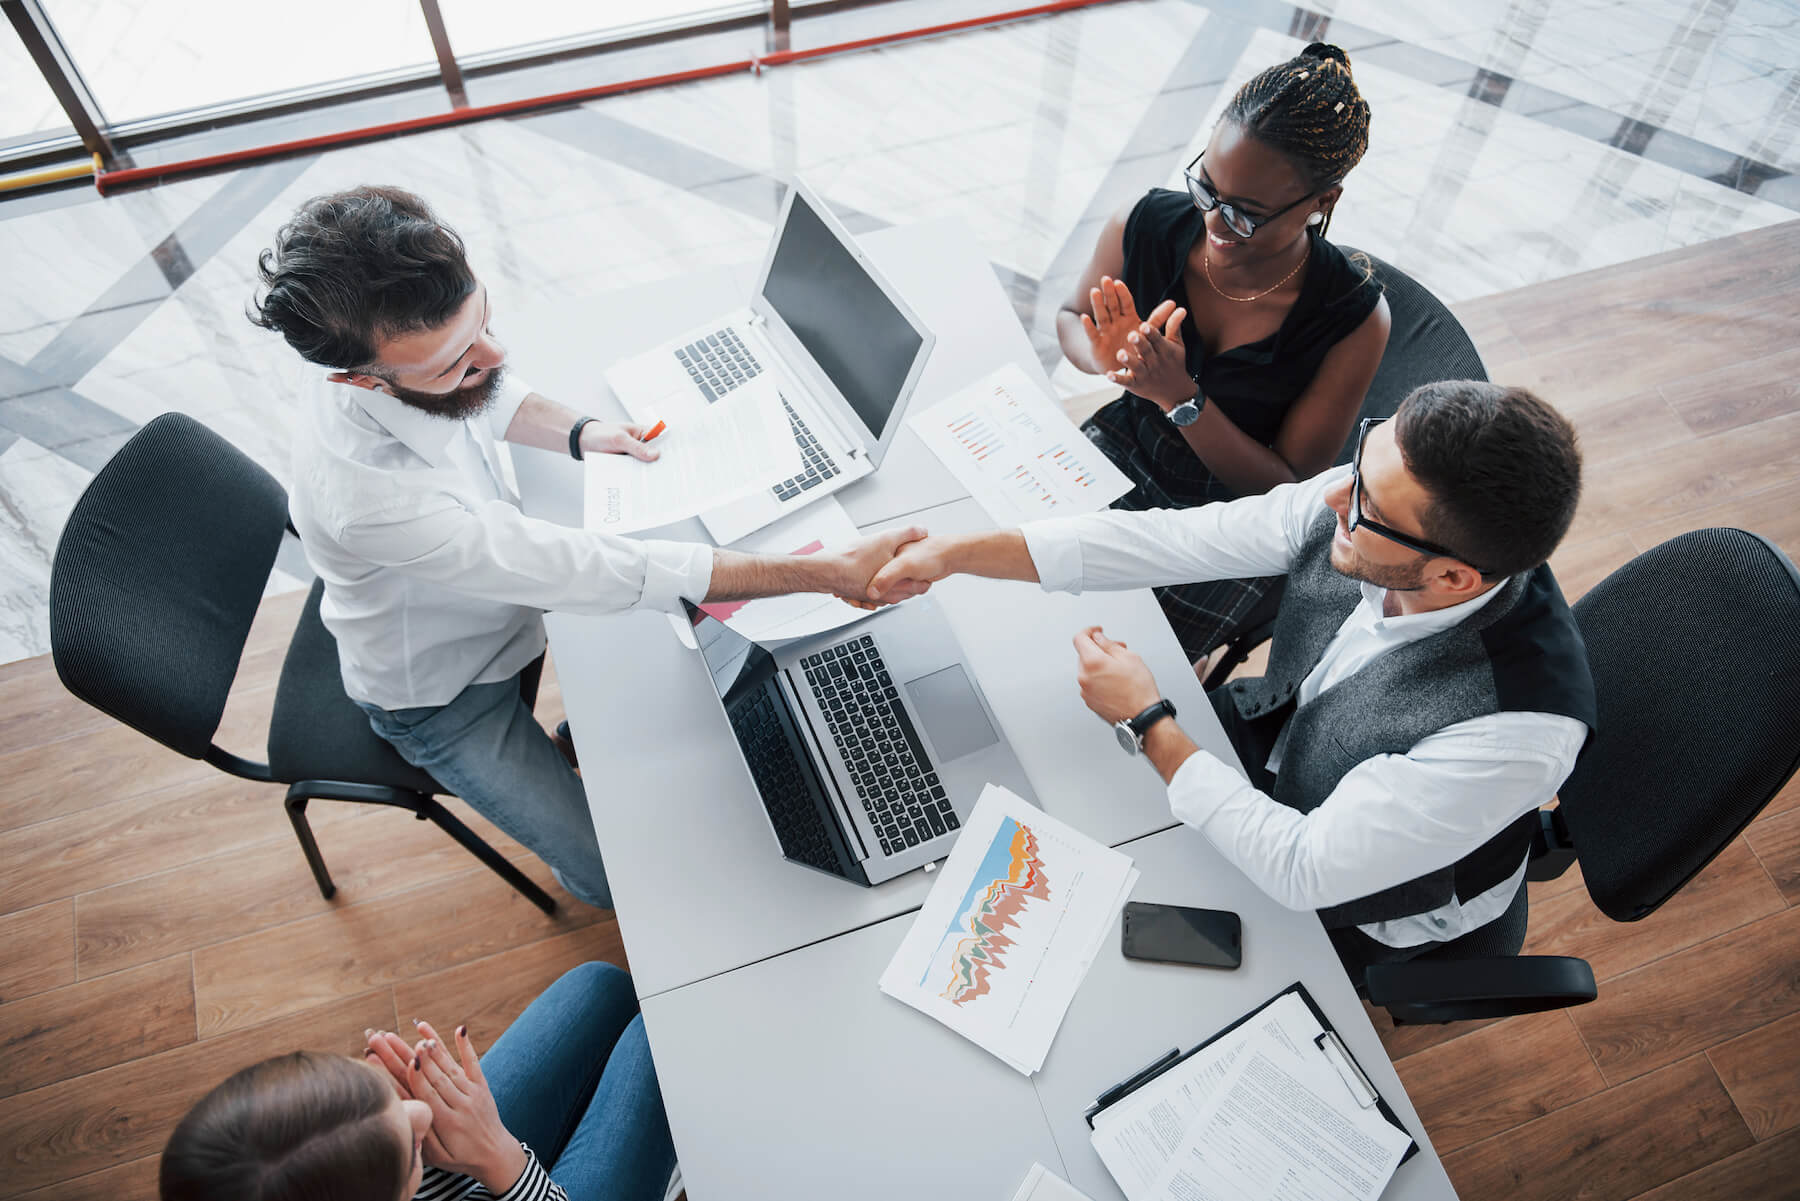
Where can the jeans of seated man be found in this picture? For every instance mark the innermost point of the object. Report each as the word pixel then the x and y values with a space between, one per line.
pixel 487 748
pixel 573 1081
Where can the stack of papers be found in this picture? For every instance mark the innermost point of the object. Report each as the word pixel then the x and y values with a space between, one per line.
pixel 1017 452
pixel 709 457
pixel 1010 929
pixel 1262 1112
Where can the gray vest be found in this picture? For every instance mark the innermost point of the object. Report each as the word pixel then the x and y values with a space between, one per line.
pixel 1520 652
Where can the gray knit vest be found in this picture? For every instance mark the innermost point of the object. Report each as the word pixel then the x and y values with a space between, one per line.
pixel 1520 652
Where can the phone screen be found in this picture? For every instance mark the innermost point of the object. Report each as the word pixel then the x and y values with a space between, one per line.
pixel 1176 934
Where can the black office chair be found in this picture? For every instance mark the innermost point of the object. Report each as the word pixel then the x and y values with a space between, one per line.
pixel 1426 343
pixel 155 582
pixel 1695 650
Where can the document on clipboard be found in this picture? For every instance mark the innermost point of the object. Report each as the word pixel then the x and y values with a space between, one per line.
pixel 1272 1098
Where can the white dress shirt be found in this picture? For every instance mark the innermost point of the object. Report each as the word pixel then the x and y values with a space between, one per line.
pixel 434 579
pixel 1391 818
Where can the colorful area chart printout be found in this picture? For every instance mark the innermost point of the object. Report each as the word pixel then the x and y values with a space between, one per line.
pixel 1009 930
pixel 1018 454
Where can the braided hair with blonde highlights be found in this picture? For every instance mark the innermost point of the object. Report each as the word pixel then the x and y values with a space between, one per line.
pixel 1310 110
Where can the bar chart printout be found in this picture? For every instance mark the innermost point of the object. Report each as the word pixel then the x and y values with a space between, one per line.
pixel 1018 454
pixel 1010 928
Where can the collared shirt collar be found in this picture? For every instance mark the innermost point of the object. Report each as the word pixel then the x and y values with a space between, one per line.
pixel 425 434
pixel 1420 625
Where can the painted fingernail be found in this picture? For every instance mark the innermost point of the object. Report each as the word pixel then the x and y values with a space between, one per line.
pixel 415 1063
pixel 462 1032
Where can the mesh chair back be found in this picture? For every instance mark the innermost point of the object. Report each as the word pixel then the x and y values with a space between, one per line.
pixel 1695 650
pixel 1426 344
pixel 157 577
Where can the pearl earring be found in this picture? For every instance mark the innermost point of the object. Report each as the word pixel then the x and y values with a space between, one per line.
pixel 1315 219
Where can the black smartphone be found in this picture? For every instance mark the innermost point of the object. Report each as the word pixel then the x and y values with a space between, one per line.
pixel 1176 934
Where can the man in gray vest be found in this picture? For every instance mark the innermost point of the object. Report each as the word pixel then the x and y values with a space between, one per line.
pixel 1427 688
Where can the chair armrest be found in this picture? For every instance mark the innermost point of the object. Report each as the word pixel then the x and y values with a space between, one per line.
pixel 1552 850
pixel 1464 990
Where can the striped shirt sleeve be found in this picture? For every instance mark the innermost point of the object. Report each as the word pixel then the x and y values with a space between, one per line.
pixel 533 1184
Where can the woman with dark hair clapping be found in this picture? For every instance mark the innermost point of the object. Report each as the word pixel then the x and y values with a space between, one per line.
pixel 1244 338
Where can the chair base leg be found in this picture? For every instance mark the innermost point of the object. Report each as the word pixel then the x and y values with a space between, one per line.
pixel 450 824
pixel 296 811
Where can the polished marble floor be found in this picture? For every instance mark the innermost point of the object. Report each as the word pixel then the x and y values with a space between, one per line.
pixel 1513 141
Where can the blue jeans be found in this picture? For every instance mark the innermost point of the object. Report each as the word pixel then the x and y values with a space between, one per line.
pixel 487 748
pixel 574 1082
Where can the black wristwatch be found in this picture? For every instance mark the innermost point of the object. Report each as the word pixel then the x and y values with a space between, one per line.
pixel 1188 411
pixel 575 437
pixel 1131 731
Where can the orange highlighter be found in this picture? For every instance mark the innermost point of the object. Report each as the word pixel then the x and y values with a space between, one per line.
pixel 655 430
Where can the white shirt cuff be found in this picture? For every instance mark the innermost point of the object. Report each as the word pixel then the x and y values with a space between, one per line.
pixel 505 406
pixel 1055 550
pixel 1201 787
pixel 674 571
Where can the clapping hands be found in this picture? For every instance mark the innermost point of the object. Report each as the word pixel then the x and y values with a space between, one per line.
pixel 467 1135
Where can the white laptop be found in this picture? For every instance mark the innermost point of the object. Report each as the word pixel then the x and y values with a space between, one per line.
pixel 825 337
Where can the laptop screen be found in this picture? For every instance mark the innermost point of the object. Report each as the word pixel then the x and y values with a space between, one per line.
pixel 736 664
pixel 842 317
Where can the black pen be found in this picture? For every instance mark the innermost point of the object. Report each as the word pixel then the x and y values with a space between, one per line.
pixel 1129 1085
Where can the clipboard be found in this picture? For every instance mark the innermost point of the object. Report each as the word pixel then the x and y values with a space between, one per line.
pixel 1328 1043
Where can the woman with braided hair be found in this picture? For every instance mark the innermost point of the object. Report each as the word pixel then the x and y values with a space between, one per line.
pixel 1259 337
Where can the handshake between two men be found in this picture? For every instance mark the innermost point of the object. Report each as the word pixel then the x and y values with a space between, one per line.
pixel 1115 681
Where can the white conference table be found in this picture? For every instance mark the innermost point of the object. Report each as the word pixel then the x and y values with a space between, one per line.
pixel 774 1048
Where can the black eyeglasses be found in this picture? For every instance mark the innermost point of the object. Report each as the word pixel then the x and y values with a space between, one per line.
pixel 1357 520
pixel 1206 200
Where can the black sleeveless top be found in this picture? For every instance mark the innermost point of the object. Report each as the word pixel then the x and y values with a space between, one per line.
pixel 1254 384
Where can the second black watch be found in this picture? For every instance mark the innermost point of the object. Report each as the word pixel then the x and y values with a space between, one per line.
pixel 1131 731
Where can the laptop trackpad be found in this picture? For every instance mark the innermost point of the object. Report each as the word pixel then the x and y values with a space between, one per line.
pixel 954 719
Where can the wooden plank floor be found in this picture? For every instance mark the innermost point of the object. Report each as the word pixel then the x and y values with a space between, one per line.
pixel 158 927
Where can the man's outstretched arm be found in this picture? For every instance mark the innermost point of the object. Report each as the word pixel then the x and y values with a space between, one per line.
pixel 846 573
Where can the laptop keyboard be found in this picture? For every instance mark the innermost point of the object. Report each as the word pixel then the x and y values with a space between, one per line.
pixel 816 465
pixel 781 779
pixel 894 777
pixel 721 363
pixel 718 363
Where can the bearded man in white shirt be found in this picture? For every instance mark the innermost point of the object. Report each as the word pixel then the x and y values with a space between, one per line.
pixel 1427 688
pixel 435 581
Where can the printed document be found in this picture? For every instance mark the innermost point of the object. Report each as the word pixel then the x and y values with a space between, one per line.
pixel 1138 1136
pixel 1011 927
pixel 1276 1126
pixel 740 444
pixel 820 526
pixel 1011 445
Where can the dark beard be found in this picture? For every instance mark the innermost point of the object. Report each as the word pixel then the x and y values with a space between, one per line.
pixel 457 405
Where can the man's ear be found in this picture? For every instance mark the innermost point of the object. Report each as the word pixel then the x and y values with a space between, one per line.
pixel 357 379
pixel 1460 578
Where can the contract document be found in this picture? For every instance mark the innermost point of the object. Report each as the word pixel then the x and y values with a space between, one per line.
pixel 1276 1127
pixel 709 457
pixel 1271 1108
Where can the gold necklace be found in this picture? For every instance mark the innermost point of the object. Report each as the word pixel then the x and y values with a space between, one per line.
pixel 1206 265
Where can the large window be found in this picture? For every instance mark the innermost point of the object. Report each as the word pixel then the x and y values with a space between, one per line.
pixel 484 26
pixel 147 58
pixel 27 105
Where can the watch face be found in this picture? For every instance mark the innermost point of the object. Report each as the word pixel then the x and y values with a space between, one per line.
pixel 1126 737
pixel 1185 414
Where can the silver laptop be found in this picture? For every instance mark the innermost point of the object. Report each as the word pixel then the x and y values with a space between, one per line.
pixel 825 339
pixel 868 745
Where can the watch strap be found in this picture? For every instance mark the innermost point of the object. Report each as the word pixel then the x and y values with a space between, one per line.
pixel 1140 725
pixel 575 437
